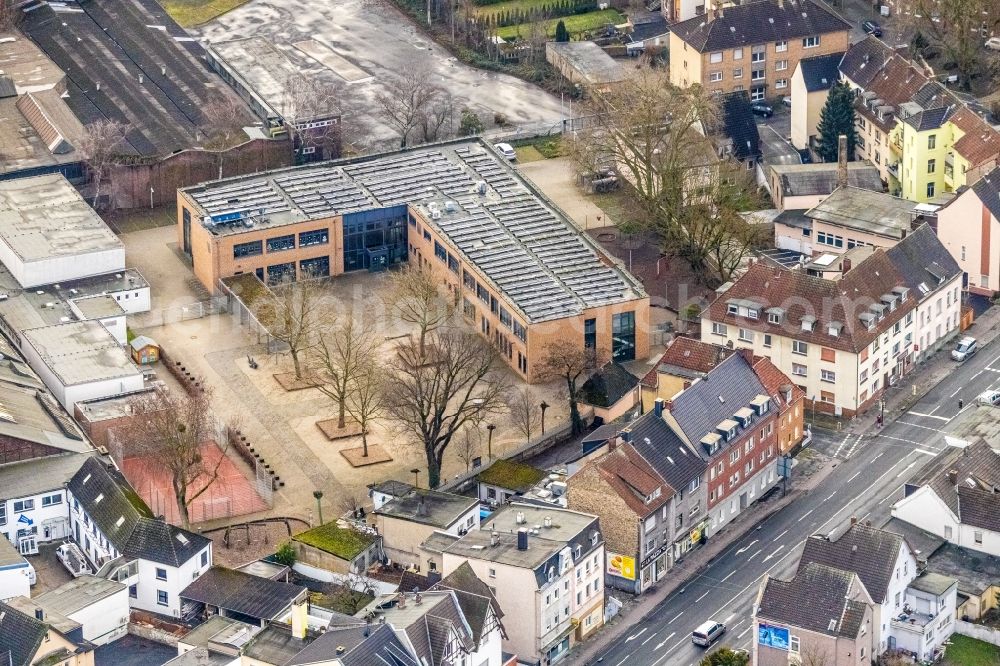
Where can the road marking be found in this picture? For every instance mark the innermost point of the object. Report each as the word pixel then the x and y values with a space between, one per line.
pixel 885 498
pixel 956 392
pixel 899 439
pixel 731 573
pixel 746 548
pixel 878 456
pixel 622 661
pixel 929 416
pixel 651 637
pixel 703 596
pixel 729 618
pixel 917 425
pixel 664 641
pixel 776 550
pixel 837 452
pixel 926 453
pixel 636 635
pixel 675 617
pixel 831 496
pixel 854 447
pixel 903 471
pixel 755 555
pixel 744 632
pixel 779 536
pixel 991 369
pixel 804 515
pixel 930 412
pixel 856 475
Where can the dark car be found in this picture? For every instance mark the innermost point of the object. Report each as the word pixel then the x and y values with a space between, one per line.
pixel 805 156
pixel 762 109
pixel 872 28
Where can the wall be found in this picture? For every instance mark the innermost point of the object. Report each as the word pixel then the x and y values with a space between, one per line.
pixel 401 539
pixel 667 386
pixel 14 581
pixel 320 559
pixel 133 300
pixel 787 237
pixel 61 268
pixel 847 233
pixel 806 108
pixel 925 509
pixel 130 184
pixel 791 425
pixel 100 389
pixel 105 620
pixel 970 232
pixel 55 515
pixel 54 643
pixel 978 631
pixel 178 578
pixel 937 317
pixel 913 174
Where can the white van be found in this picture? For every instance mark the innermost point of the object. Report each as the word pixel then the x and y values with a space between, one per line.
pixel 708 633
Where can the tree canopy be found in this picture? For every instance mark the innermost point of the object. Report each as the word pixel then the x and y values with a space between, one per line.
pixel 836 118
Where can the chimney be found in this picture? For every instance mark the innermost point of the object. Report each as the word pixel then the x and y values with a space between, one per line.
pixel 401 600
pixel 658 407
pixel 547 522
pixel 854 520
pixel 494 538
pixel 845 266
pixel 417 599
pixel 341 649
pixel 953 476
pixel 522 539
pixel 39 614
pixel 519 518
pixel 842 160
pixel 747 354
pixel 300 614
pixel 626 435
pixel 421 507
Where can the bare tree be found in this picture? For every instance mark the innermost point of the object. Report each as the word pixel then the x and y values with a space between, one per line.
pixel 437 120
pixel 569 361
pixel 99 147
pixel 468 445
pixel 10 15
pixel 340 354
pixel 432 402
pixel 406 100
pixel 225 116
pixel 415 297
pixel 524 412
pixel 958 27
pixel 350 594
pixel 171 428
pixel 366 400
pixel 313 114
pixel 293 314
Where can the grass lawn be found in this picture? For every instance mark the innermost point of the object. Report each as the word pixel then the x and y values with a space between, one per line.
pixel 528 154
pixel 574 24
pixel 965 651
pixel 189 13
pixel 543 147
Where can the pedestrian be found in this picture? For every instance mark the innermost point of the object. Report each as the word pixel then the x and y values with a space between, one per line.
pixel 961 403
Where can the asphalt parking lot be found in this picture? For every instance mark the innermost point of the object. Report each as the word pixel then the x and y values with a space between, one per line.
pixel 134 651
pixel 378 39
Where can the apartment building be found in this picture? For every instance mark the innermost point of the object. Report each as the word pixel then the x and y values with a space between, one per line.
pixel 683 361
pixel 810 87
pixel 841 341
pixel 754 47
pixel 29 641
pixel 546 567
pixel 851 217
pixel 969 227
pixel 519 268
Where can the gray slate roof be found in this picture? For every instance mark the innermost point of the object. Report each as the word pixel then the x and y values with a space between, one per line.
pixel 987 189
pixel 810 179
pixel 381 646
pixel 826 590
pixel 820 73
pixel 757 22
pixel 971 497
pixel 140 534
pixel 864 60
pixel 869 552
pixel 929 119
pixel 665 452
pixel 921 258
pixel 474 597
pixel 20 635
pixel 608 385
pixel 243 593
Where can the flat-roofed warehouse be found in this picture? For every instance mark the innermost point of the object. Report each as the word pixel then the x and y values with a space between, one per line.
pixel 527 275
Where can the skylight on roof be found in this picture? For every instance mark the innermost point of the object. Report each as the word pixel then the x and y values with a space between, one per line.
pixel 97 500
pixel 183 539
pixel 121 519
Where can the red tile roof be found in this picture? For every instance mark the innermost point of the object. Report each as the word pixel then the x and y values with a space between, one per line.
pixel 633 479
pixel 828 301
pixel 774 380
pixel 690 354
pixel 980 143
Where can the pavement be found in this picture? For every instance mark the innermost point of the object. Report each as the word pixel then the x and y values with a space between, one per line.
pixel 862 474
pixel 132 650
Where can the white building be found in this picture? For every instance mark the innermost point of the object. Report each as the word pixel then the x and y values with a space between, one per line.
pixel 98 604
pixel 80 360
pixel 48 233
pixel 16 575
pixel 546 566
pixel 104 309
pixel 124 541
pixel 957 499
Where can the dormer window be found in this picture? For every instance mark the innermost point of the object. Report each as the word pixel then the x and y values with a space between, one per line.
pixel 868 320
pixel 808 322
pixel 890 301
pixel 733 309
pixel 743 308
pixel 834 328
pixel 762 404
pixel 774 315
pixel 744 416
pixel 728 429
pixel 902 292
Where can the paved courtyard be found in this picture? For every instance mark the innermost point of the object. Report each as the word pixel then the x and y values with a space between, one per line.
pixel 376 38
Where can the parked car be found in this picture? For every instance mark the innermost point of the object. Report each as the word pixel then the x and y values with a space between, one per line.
pixel 989 398
pixel 872 28
pixel 762 109
pixel 787 101
pixel 965 348
pixel 993 43
pixel 506 150
pixel 708 633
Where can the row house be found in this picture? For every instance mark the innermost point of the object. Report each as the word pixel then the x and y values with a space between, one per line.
pixel 754 47
pixel 969 227
pixel 925 139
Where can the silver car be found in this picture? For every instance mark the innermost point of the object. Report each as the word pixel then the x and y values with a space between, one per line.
pixel 966 347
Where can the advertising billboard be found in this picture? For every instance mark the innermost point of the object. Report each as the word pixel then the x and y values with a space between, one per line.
pixel 621 566
pixel 776 637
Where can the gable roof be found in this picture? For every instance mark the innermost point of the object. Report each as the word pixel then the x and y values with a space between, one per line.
pixel 775 381
pixel 740 126
pixel 607 386
pixel 971 492
pixel 691 357
pixel 633 479
pixel 980 143
pixel 243 593
pixel 872 212
pixel 126 521
pixel 839 302
pixel 865 59
pixel 665 452
pixel 357 644
pixel 821 178
pixel 987 189
pixel 20 635
pixel 757 22
pixel 474 597
pixel 921 258
pixel 829 609
pixel 820 72
pixel 928 119
pixel 869 552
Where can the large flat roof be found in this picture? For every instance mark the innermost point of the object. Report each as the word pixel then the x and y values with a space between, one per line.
pixel 44 217
pixel 491 216
pixel 78 594
pixel 590 61
pixel 867 211
pixel 81 352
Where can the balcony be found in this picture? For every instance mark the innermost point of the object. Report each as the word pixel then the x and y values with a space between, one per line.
pixel 893 170
pixel 896 145
pixel 949 169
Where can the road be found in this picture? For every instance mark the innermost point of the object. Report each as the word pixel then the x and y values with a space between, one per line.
pixel 869 474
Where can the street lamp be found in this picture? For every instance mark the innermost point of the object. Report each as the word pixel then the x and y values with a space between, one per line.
pixel 416 476
pixel 489 440
pixel 543 407
pixel 318 494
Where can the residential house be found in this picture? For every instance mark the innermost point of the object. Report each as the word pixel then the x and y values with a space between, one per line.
pixel 799 187
pixel 29 641
pixel 754 46
pixel 359 644
pixel 631 500
pixel 736 135
pixel 546 567
pixel 957 499
pixel 343 550
pixel 841 341
pixel 121 537
pixel 810 86
pixel 507 479
pixel 385 491
pixel 683 361
pixel 969 226
pixel 100 606
pixel 833 628
pixel 852 216
pixel 935 280
pixel 407 521
pixel 482 612
pixel 612 391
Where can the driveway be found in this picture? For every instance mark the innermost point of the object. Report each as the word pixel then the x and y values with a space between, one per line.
pixel 775 148
pixel 379 40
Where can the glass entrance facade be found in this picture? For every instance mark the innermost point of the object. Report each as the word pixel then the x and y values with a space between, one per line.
pixel 375 239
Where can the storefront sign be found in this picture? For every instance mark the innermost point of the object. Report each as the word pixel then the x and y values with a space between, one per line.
pixel 771 636
pixel 621 566
pixel 653 555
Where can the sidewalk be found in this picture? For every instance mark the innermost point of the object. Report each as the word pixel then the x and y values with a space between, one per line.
pixel 808 473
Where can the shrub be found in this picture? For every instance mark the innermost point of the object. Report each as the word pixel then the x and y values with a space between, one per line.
pixel 285 554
